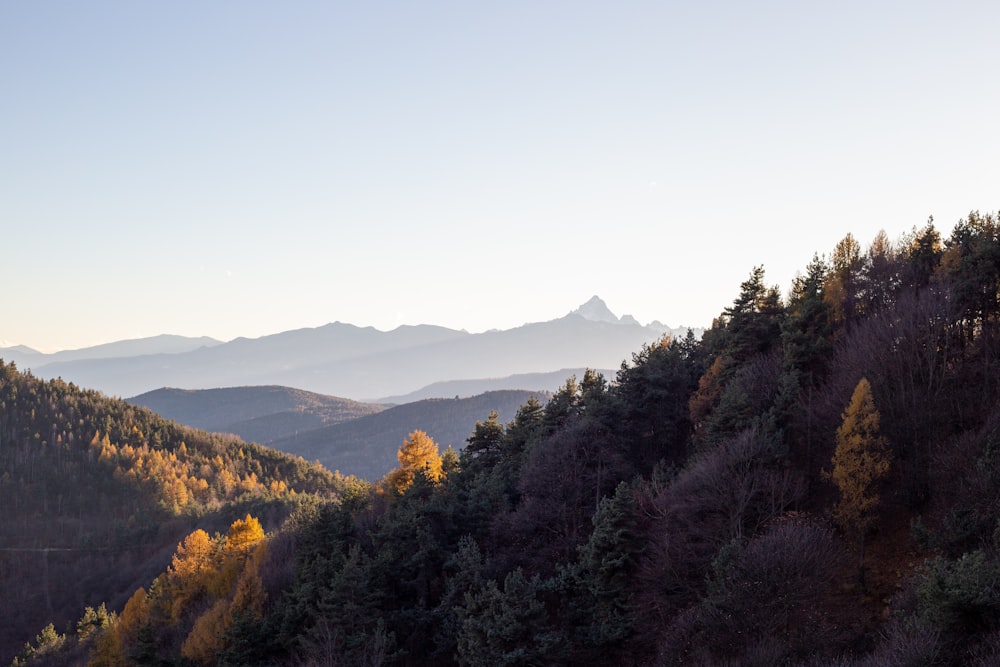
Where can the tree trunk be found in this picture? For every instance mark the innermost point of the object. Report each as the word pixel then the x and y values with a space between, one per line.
pixel 861 564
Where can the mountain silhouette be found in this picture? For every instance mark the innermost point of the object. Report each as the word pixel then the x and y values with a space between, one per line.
pixel 364 363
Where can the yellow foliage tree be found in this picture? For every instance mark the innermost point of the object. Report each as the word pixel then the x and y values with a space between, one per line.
pixel 195 555
pixel 135 612
pixel 250 595
pixel 418 452
pixel 193 565
pixel 109 650
pixel 243 534
pixel 860 461
pixel 207 637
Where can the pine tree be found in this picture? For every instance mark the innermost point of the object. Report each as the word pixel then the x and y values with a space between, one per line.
pixel 485 445
pixel 507 626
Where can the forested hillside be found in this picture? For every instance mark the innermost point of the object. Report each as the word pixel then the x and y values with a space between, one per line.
pixel 814 482
pixel 95 493
pixel 256 414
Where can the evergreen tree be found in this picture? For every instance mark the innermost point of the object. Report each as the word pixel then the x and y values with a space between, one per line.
pixel 524 429
pixel 806 332
pixel 484 447
pixel 466 573
pixel 923 255
pixel 348 624
pixel 596 611
pixel 807 343
pixel 93 622
pixel 508 626
pixel 653 394
pixel 748 330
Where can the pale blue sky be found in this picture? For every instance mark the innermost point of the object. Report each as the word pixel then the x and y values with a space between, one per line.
pixel 243 168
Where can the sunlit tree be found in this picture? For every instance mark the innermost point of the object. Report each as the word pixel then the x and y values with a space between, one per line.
pixel 243 534
pixel 418 452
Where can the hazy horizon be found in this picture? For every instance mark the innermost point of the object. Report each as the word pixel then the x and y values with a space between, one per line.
pixel 240 169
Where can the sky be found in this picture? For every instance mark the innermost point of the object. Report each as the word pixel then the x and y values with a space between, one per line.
pixel 243 168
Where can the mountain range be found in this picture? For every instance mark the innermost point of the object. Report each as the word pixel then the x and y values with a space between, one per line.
pixel 361 363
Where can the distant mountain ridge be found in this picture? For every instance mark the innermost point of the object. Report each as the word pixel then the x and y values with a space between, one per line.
pixel 361 363
pixel 256 414
pixel 542 382
pixel 26 356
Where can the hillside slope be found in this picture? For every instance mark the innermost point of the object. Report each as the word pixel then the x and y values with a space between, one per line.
pixel 96 493
pixel 256 414
pixel 366 447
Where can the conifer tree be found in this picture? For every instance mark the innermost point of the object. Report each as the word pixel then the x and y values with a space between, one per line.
pixel 243 534
pixel 485 445
pixel 860 461
pixel 507 626
pixel 194 556
pixel 923 255
pixel 418 452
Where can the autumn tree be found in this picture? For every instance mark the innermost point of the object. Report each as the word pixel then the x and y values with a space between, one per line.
pixel 860 461
pixel 418 452
pixel 207 636
pixel 112 645
pixel 243 534
pixel 841 287
pixel 193 555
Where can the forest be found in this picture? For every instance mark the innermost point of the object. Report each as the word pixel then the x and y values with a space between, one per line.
pixel 815 481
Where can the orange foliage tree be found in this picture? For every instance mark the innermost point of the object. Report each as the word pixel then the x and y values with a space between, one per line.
pixel 418 452
pixel 243 534
pixel 860 461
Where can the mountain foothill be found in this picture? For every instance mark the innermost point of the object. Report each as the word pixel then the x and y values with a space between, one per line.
pixel 815 480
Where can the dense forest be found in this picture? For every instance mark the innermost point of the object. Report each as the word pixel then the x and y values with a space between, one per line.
pixel 816 481
pixel 95 494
